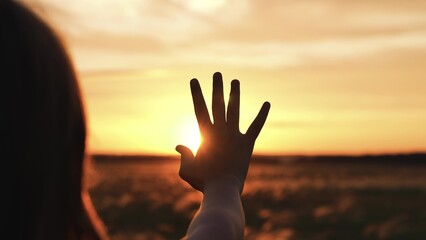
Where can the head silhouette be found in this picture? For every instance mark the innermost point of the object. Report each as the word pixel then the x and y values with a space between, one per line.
pixel 44 128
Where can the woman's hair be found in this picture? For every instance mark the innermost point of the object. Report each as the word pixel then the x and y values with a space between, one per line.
pixel 44 129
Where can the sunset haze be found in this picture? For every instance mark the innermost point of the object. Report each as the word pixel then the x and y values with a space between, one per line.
pixel 343 77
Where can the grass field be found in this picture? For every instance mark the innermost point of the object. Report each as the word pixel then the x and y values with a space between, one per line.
pixel 306 199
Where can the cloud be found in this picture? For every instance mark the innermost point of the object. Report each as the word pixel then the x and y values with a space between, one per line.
pixel 272 34
pixel 283 54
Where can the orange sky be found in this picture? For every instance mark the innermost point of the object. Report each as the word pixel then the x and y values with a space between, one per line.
pixel 343 77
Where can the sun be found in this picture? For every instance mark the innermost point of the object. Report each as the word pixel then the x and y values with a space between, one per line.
pixel 190 136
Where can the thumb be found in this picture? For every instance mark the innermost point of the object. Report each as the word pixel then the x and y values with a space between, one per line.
pixel 186 160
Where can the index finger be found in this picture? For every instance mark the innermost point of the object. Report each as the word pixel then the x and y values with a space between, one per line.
pixel 200 107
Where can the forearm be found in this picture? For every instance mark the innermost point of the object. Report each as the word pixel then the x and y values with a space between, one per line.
pixel 221 214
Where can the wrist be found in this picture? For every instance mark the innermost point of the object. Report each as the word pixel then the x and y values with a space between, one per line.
pixel 225 183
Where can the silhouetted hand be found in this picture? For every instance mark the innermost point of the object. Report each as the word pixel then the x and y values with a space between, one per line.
pixel 225 152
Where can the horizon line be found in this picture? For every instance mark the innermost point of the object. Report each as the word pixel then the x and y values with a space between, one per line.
pixel 159 155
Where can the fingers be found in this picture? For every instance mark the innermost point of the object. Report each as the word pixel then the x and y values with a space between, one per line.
pixel 200 107
pixel 187 157
pixel 184 151
pixel 218 104
pixel 233 113
pixel 187 171
pixel 256 126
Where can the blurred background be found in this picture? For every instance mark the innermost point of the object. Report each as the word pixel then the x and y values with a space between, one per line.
pixel 345 78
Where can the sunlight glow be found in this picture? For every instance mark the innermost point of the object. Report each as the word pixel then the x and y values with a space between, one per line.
pixel 190 136
pixel 352 86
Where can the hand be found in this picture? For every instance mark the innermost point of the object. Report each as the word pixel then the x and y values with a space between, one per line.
pixel 225 152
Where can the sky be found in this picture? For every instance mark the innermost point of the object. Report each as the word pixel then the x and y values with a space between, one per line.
pixel 343 77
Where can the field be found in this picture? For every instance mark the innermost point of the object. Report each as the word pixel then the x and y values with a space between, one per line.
pixel 284 198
